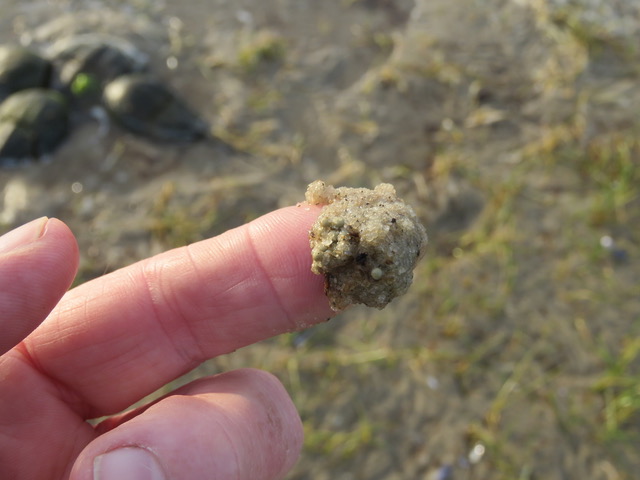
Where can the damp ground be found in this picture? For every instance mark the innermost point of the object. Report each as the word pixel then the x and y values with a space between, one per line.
pixel 511 126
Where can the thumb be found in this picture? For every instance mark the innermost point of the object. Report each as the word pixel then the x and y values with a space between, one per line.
pixel 37 264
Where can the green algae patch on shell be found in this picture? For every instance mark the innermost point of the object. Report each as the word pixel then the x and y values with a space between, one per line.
pixel 365 242
pixel 98 56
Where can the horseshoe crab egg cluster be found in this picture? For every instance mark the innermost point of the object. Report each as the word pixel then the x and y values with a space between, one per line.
pixel 365 242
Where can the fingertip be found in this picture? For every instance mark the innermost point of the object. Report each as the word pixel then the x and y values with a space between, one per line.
pixel 54 256
pixel 37 264
pixel 55 228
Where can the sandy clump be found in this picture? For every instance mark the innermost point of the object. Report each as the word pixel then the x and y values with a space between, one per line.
pixel 365 242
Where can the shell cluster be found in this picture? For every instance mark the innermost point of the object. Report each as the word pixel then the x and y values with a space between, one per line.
pixel 41 95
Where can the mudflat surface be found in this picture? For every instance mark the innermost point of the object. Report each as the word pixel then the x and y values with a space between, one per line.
pixel 511 126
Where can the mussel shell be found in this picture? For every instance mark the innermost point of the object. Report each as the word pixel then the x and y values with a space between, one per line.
pixel 33 123
pixel 146 106
pixel 20 69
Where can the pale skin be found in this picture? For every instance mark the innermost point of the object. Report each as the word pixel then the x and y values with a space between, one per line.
pixel 69 356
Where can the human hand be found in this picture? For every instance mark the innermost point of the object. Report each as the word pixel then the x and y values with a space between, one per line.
pixel 111 341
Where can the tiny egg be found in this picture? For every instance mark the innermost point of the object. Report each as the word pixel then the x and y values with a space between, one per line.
pixel 376 273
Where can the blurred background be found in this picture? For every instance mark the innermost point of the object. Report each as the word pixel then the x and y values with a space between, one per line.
pixel 511 126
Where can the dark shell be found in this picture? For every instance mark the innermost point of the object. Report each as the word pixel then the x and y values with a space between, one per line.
pixel 32 124
pixel 21 69
pixel 144 105
pixel 101 57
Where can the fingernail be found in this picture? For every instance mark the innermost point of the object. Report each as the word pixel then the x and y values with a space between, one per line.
pixel 129 463
pixel 23 235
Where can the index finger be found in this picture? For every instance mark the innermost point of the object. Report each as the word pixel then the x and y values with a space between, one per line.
pixel 120 337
